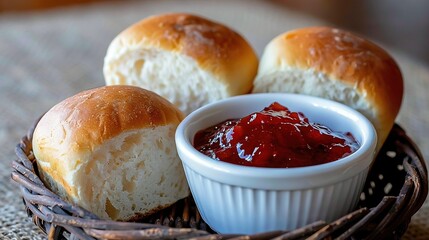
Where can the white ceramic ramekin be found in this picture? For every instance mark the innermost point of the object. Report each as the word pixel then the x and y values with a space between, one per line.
pixel 245 200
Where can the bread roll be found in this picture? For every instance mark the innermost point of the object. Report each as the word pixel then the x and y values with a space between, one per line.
pixel 187 59
pixel 111 150
pixel 337 65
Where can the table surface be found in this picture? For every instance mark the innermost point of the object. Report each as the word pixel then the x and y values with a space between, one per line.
pixel 46 57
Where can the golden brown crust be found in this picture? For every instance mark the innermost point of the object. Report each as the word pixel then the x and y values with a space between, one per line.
pixel 348 58
pixel 215 47
pixel 91 117
pixel 89 144
pixel 343 57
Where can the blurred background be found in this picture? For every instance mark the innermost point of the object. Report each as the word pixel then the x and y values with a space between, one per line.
pixel 403 25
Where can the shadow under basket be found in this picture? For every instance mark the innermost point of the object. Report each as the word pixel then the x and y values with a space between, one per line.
pixel 395 189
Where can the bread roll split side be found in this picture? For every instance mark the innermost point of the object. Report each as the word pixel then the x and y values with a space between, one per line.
pixel 111 150
pixel 189 60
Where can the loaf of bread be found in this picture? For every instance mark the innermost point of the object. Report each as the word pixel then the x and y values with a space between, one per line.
pixel 337 65
pixel 111 150
pixel 189 60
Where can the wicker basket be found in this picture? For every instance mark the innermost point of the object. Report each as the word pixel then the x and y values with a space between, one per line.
pixel 395 189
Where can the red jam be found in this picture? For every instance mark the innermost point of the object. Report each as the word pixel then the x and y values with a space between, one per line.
pixel 275 138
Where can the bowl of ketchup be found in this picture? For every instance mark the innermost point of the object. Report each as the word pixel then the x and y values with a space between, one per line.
pixel 274 161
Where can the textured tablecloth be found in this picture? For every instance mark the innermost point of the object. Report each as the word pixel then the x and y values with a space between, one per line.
pixel 46 57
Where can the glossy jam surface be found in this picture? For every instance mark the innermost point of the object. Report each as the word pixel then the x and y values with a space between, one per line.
pixel 274 137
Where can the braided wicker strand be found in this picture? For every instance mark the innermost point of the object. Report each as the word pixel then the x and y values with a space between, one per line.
pixel 395 189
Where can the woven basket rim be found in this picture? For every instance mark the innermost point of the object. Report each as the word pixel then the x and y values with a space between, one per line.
pixel 57 217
